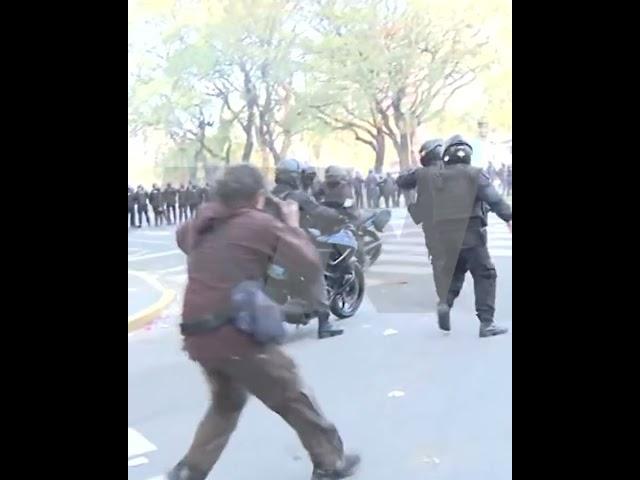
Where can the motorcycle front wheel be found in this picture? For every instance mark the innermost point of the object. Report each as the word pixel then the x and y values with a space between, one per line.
pixel 372 246
pixel 346 302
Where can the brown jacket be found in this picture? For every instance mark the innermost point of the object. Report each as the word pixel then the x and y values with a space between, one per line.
pixel 225 246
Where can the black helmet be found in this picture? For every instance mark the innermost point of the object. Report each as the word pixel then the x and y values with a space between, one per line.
pixel 308 170
pixel 336 174
pixel 431 152
pixel 457 150
pixel 288 172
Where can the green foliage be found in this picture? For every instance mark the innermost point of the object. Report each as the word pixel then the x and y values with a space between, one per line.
pixel 228 75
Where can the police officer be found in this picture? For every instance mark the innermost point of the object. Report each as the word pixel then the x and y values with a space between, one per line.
pixel 157 203
pixel 422 210
pixel 312 215
pixel 203 193
pixel 462 196
pixel 141 204
pixel 132 206
pixel 170 196
pixel 336 187
pixel 309 180
pixel 183 203
pixel 357 184
pixel 371 184
pixel 387 190
pixel 194 198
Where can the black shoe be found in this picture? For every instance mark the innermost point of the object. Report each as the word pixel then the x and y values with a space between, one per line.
pixel 184 472
pixel 491 330
pixel 347 468
pixel 444 320
pixel 329 332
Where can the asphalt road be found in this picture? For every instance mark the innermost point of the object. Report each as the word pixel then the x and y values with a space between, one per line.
pixel 449 413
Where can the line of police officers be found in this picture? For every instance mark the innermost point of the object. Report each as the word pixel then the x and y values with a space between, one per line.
pixel 164 201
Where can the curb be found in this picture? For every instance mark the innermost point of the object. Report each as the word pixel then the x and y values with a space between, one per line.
pixel 145 316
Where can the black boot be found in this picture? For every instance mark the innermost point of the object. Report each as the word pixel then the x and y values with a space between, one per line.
pixel 183 472
pixel 325 329
pixel 444 320
pixel 490 329
pixel 347 468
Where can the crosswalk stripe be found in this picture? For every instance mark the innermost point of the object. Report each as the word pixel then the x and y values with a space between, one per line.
pixel 404 251
pixel 403 269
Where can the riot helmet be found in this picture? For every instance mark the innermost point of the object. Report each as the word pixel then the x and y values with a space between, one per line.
pixel 289 172
pixel 335 175
pixel 457 150
pixel 431 152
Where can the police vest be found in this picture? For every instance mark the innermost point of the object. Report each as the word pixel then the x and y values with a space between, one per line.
pixel 454 189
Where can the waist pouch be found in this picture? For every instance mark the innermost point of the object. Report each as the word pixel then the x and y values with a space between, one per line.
pixel 256 314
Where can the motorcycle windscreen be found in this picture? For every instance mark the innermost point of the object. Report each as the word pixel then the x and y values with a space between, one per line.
pixel 343 238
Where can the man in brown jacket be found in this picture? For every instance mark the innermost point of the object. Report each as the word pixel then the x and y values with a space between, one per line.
pixel 232 240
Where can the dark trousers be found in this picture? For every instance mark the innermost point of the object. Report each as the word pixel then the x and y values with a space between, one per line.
pixel 373 199
pixel 387 200
pixel 272 377
pixel 396 198
pixel 184 212
pixel 132 217
pixel 171 214
pixel 158 215
pixel 359 200
pixel 192 210
pixel 143 211
pixel 451 263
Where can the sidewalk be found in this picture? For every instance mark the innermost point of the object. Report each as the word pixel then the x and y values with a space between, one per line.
pixel 147 298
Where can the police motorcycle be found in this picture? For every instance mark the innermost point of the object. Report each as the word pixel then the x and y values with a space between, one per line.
pixel 343 276
pixel 367 231
pixel 366 226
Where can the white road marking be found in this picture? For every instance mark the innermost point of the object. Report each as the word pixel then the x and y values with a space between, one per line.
pixel 138 444
pixel 381 268
pixel 389 331
pixel 142 240
pixel 136 462
pixel 395 394
pixel 164 234
pixel 173 269
pixel 156 255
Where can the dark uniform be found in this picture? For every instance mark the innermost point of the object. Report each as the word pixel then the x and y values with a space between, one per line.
pixel 387 189
pixel 194 199
pixel 156 199
pixel 141 204
pixel 312 215
pixel 358 183
pixel 396 194
pixel 132 207
pixel 462 197
pixel 422 210
pixel 170 197
pixel 204 192
pixel 183 203
pixel 371 184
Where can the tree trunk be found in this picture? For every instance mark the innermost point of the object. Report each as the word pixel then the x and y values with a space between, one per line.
pixel 286 144
pixel 380 144
pixel 264 149
pixel 248 147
